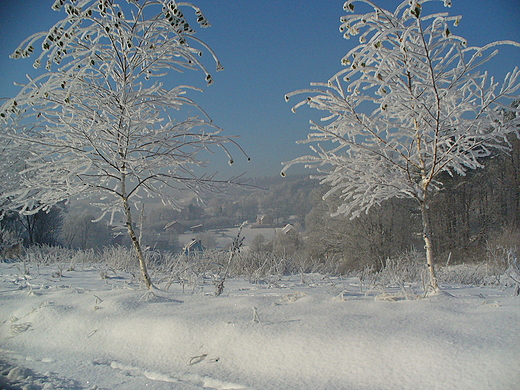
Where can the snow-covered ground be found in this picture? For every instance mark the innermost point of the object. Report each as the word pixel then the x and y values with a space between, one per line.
pixel 79 331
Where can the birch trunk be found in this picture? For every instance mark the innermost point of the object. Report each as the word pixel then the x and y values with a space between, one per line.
pixel 136 244
pixel 428 246
pixel 130 229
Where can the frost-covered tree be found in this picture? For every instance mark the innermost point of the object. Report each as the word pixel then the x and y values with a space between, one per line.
pixel 11 164
pixel 100 120
pixel 409 105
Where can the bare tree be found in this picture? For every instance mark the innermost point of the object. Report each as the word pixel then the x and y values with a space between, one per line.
pixel 43 227
pixel 99 124
pixel 79 231
pixel 409 105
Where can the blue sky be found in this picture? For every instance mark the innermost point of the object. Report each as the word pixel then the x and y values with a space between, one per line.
pixel 268 48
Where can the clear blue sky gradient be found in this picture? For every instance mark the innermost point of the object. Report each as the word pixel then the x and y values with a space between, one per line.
pixel 268 48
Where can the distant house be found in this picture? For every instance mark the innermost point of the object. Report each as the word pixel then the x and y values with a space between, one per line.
pixel 193 247
pixel 283 231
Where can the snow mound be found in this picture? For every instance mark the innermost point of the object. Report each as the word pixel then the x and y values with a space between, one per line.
pixel 81 332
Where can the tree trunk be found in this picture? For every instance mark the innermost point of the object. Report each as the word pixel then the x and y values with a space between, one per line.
pixel 29 226
pixel 136 243
pixel 427 235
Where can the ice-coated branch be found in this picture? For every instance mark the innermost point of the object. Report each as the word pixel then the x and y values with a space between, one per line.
pixel 410 101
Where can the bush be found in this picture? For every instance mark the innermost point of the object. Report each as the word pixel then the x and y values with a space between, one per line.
pixel 10 244
pixel 44 254
pixel 407 267
pixel 403 271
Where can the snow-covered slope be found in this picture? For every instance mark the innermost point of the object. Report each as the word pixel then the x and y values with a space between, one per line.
pixel 78 331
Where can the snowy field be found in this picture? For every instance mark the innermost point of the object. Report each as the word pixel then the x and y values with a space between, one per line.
pixel 79 331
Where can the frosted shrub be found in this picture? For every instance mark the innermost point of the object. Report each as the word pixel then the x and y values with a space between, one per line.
pixel 206 264
pixel 406 268
pixel 471 274
pixel 177 269
pixel 44 254
pixel 502 255
pixel 10 244
pixel 367 278
pixel 503 249
pixel 498 268
pixel 254 265
pixel 189 271
pixel 213 265
pixel 234 251
pixel 264 266
pixel 330 265
pixel 505 263
pixel 119 258
pixel 260 266
pixel 79 256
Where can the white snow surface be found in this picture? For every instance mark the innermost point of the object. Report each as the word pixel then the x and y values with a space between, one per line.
pixel 79 331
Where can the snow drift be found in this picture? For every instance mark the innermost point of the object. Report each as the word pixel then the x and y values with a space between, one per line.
pixel 78 331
